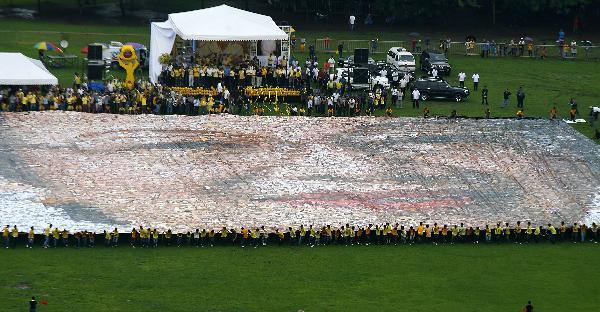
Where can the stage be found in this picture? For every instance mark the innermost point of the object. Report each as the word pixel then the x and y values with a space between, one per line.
pixel 94 171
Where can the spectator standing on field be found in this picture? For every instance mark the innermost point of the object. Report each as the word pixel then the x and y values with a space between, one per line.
pixel 461 79
pixel 484 95
pixel 506 95
pixel 574 48
pixel 352 21
pixel 475 81
pixel 32 304
pixel 415 97
pixel 520 97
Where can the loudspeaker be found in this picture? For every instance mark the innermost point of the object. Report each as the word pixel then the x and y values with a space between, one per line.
pixel 94 52
pixel 361 56
pixel 95 70
pixel 360 75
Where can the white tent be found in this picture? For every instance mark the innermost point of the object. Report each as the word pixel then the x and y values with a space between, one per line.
pixel 19 70
pixel 220 23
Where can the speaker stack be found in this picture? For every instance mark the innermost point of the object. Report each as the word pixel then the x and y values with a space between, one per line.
pixel 361 75
pixel 95 65
pixel 361 57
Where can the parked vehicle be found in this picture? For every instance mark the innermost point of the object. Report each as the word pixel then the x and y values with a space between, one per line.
pixel 432 59
pixel 401 59
pixel 436 88
pixel 111 50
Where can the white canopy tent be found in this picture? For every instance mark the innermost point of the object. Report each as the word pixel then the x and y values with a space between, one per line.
pixel 220 23
pixel 17 69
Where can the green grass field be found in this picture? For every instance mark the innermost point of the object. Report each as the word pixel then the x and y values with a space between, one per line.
pixel 374 278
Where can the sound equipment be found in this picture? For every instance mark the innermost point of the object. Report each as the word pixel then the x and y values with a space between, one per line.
pixel 95 70
pixel 361 56
pixel 94 52
pixel 360 75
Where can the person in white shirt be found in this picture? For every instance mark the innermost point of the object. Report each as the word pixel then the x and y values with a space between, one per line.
pixel 331 62
pixel 394 96
pixel 196 106
pixel 383 73
pixel 415 97
pixel 461 79
pixel 434 73
pixel 403 83
pixel 475 81
pixel 352 20
pixel 219 88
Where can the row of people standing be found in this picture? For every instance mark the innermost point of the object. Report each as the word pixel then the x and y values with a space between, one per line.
pixel 378 234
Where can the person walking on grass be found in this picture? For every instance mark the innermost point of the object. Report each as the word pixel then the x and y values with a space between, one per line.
pixel 528 307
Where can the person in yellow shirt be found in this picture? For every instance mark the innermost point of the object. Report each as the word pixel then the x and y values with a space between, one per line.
pixel 518 233
pixel 65 238
pixel 144 103
pixel 134 237
pixel 30 237
pixel 444 232
pixel 255 235
pixel 394 233
pixel 154 237
pixel 575 232
pixel 85 103
pixel 528 232
pixel 420 231
pixel 498 233
pixel 47 231
pixel 223 239
pixel 292 235
pixel 115 238
pixel 427 233
pixel 55 237
pixel 211 104
pixel 14 236
pixel 107 238
pixel 6 236
pixel 506 232
pixel 245 236
pixel 552 233
pixel 454 234
pixel 71 102
pixel 537 233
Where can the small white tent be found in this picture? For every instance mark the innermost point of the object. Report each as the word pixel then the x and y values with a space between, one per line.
pixel 17 69
pixel 220 23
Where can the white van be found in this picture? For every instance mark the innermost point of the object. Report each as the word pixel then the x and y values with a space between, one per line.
pixel 401 59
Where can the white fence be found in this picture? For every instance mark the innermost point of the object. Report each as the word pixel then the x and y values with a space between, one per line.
pixel 326 45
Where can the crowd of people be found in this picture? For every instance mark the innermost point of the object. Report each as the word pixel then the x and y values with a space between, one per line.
pixel 378 234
